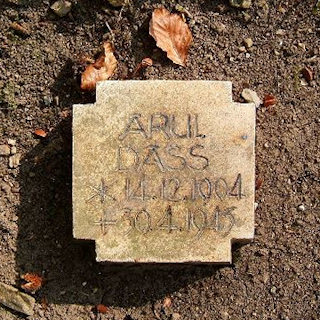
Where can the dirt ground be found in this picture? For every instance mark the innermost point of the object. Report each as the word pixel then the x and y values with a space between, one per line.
pixel 276 276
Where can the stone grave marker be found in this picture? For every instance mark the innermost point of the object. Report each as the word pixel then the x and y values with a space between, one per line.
pixel 163 171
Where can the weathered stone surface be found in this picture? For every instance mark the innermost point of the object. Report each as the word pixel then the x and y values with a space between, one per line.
pixel 163 171
pixel 12 298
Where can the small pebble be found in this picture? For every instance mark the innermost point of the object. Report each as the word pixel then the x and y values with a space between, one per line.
pixel 219 27
pixel 13 150
pixel 256 205
pixel 14 161
pixel 280 32
pixel 242 49
pixel 15 190
pixel 273 290
pixel 301 207
pixel 5 187
pixel 14 299
pixel 251 96
pixel 11 142
pixel 248 43
pixel 117 3
pixel 4 150
pixel 61 8
pixel 244 4
pixel 246 16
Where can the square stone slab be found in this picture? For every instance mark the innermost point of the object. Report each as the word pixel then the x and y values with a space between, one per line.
pixel 163 171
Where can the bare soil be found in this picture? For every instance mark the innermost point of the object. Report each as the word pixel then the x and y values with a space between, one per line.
pixel 277 276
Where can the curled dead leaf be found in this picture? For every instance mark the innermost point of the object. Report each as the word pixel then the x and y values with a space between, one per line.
pixel 167 302
pixel 101 308
pixel 259 182
pixel 102 69
pixel 19 28
pixel 269 100
pixel 172 35
pixel 34 282
pixel 145 63
pixel 307 74
pixel 40 133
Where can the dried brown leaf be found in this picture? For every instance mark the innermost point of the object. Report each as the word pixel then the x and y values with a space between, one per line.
pixel 145 63
pixel 40 133
pixel 101 308
pixel 19 28
pixel 167 302
pixel 34 282
pixel 259 182
pixel 102 69
pixel 307 74
pixel 269 100
pixel 172 35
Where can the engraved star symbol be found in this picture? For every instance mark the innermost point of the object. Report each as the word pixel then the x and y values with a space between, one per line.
pixel 101 191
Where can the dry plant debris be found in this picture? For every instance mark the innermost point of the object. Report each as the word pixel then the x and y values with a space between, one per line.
pixel 307 74
pixel 167 302
pixel 101 308
pixel 171 34
pixel 19 28
pixel 259 182
pixel 40 133
pixel 34 282
pixel 145 63
pixel 269 100
pixel 102 69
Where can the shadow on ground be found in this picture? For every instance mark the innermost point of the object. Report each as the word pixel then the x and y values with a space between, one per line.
pixel 45 242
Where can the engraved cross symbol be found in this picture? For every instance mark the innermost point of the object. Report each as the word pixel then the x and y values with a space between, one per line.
pixel 103 222
pixel 101 191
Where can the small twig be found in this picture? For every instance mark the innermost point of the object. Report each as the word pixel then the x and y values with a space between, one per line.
pixel 120 14
pixel 19 28
pixel 127 3
pixel 110 30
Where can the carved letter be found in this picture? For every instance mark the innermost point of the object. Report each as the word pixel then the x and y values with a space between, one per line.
pixel 153 158
pixel 196 128
pixel 205 162
pixel 130 128
pixel 126 150
pixel 173 127
pixel 161 125
pixel 170 150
